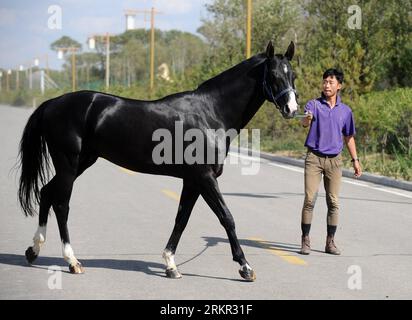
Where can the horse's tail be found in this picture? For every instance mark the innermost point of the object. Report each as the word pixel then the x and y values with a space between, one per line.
pixel 34 162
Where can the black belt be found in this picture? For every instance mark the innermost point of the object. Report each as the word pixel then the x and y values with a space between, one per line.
pixel 322 155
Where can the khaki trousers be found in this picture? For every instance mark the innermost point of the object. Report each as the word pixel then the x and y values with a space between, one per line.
pixel 331 169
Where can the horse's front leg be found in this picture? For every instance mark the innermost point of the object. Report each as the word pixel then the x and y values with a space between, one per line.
pixel 213 197
pixel 187 200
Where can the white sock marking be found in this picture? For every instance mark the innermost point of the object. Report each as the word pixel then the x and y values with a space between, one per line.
pixel 245 267
pixel 68 254
pixel 39 239
pixel 170 259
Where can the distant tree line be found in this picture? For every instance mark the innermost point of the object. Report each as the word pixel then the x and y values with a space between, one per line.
pixel 376 59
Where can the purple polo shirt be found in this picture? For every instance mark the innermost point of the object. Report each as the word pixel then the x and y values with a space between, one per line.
pixel 329 125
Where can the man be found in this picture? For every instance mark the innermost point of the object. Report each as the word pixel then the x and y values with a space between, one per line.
pixel 330 123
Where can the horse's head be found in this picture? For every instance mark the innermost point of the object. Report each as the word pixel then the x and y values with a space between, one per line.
pixel 278 80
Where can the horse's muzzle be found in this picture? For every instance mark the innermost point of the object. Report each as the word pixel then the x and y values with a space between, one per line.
pixel 288 115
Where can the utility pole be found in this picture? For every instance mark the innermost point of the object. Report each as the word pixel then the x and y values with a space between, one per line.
pixel 129 13
pixel 7 80
pixel 73 51
pixel 92 45
pixel 46 59
pixel 73 70
pixel 40 58
pixel 42 83
pixel 34 64
pixel 248 29
pixel 17 78
pixel 107 60
pixel 30 78
pixel 88 75
pixel 152 54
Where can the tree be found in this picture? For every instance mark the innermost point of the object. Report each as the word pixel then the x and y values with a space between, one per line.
pixel 335 44
pixel 382 46
pixel 65 42
pixel 225 29
pixel 89 70
pixel 398 26
pixel 181 51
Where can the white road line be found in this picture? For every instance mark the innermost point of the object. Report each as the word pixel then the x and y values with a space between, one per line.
pixel 286 167
pixel 378 188
pixel 346 180
pixel 232 154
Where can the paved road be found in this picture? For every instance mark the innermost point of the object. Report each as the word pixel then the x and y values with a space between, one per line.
pixel 120 222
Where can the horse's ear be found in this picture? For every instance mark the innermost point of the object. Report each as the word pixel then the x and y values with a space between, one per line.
pixel 270 50
pixel 291 51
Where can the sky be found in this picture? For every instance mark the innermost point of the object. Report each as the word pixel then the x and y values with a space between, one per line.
pixel 25 32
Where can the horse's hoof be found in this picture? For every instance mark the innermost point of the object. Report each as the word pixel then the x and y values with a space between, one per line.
pixel 30 255
pixel 173 274
pixel 248 274
pixel 76 269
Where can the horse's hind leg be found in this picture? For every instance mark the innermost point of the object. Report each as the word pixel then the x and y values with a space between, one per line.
pixel 86 160
pixel 40 235
pixel 187 200
pixel 46 199
pixel 66 172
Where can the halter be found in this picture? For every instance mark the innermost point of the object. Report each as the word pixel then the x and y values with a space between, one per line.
pixel 268 90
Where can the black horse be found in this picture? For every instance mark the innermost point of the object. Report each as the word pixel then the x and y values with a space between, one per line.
pixel 77 128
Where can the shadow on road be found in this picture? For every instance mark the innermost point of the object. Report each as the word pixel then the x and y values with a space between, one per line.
pixel 149 268
pixel 268 195
pixel 260 244
pixel 262 195
pixel 125 265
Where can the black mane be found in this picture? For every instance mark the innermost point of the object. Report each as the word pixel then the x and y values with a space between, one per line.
pixel 235 71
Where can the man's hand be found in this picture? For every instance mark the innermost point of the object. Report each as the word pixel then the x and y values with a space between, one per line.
pixel 350 143
pixel 306 121
pixel 358 169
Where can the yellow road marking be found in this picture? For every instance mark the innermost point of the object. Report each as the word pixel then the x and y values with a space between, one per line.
pixel 171 194
pixel 127 171
pixel 288 257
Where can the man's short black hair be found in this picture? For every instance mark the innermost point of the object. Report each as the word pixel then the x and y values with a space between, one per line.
pixel 334 73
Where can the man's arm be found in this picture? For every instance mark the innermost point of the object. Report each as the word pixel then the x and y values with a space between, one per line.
pixel 350 143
